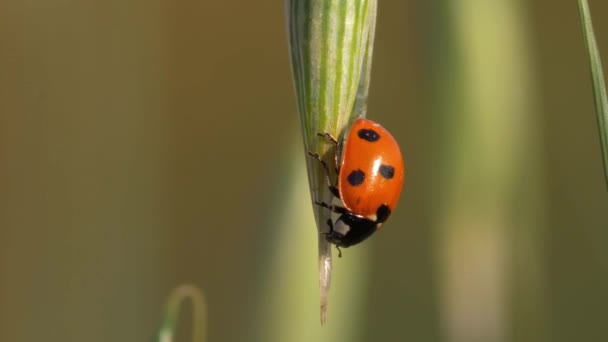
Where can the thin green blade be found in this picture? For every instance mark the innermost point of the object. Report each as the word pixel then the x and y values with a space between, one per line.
pixel 597 76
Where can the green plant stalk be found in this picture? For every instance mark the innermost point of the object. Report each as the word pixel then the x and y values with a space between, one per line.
pixel 284 307
pixel 597 77
pixel 486 119
pixel 199 314
pixel 331 46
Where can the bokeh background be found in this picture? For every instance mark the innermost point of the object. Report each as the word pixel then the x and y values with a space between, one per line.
pixel 147 144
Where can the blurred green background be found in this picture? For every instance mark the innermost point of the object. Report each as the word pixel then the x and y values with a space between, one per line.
pixel 146 144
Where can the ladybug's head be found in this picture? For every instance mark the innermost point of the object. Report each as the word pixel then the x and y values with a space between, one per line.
pixel 350 229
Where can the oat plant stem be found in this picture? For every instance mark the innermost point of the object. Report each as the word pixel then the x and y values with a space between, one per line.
pixel 331 45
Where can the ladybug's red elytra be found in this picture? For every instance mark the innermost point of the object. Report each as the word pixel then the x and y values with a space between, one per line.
pixel 370 177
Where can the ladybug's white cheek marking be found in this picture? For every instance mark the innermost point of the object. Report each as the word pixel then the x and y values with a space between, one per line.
pixel 372 217
pixel 341 228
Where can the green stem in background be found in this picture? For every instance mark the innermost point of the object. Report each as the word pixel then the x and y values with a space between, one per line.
pixel 331 45
pixel 483 95
pixel 199 314
pixel 597 76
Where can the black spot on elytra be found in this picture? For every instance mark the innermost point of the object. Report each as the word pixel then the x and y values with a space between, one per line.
pixel 387 171
pixel 368 134
pixel 382 213
pixel 356 177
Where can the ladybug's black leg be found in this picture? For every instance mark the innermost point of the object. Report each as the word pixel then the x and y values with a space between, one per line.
pixel 331 230
pixel 334 208
pixel 329 137
pixel 334 141
pixel 332 188
pixel 330 224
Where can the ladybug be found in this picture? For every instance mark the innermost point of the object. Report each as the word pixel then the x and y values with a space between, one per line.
pixel 370 175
